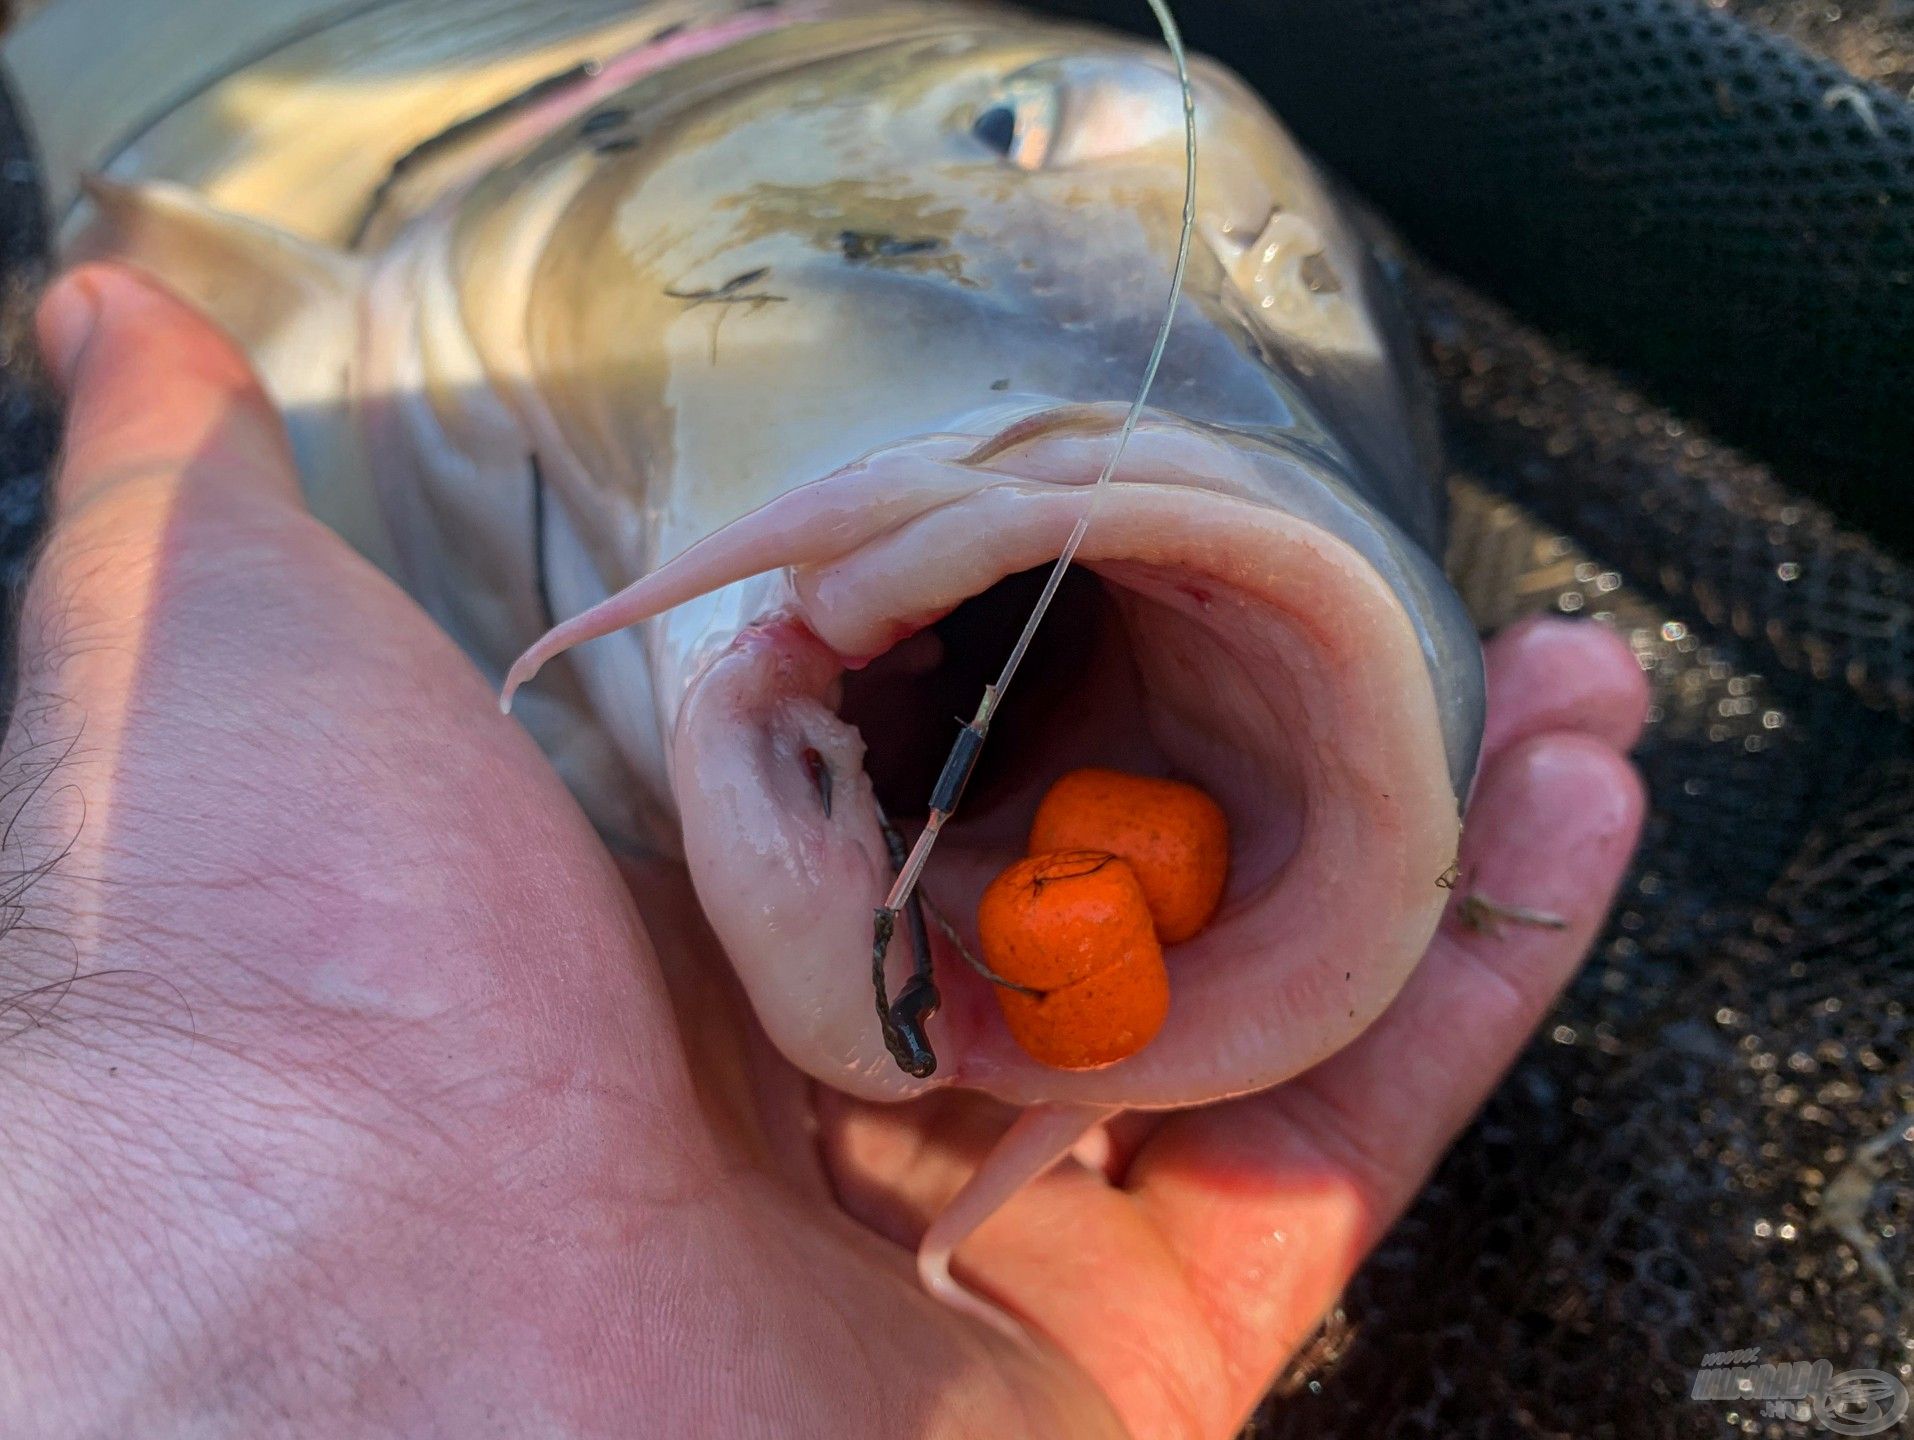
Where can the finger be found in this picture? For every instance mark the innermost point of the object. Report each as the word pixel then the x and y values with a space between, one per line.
pixel 1552 833
pixel 152 388
pixel 1547 675
pixel 1270 1202
pixel 1071 1256
pixel 895 1167
pixel 175 481
pixel 391 860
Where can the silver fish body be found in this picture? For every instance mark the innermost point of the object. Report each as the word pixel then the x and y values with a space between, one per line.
pixel 767 345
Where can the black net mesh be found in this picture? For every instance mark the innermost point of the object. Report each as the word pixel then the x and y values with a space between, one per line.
pixel 1714 208
pixel 1702 1151
pixel 1652 1182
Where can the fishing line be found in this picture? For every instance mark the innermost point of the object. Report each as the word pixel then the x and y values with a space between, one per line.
pixel 903 1022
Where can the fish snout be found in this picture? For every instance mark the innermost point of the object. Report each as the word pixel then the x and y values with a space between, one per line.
pixel 1208 634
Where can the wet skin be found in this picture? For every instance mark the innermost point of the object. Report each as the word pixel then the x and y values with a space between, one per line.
pixel 392 1107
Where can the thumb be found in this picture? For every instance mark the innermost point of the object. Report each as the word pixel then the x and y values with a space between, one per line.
pixel 154 390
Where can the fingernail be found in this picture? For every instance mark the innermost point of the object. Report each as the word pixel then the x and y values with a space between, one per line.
pixel 68 317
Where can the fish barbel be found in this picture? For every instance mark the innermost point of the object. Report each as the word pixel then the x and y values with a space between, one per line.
pixel 776 350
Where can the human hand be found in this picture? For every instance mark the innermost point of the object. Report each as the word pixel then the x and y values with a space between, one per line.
pixel 346 1093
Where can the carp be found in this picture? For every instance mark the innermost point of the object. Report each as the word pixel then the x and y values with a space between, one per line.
pixel 776 349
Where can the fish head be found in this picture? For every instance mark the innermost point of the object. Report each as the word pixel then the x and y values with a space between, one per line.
pixel 826 352
pixel 764 276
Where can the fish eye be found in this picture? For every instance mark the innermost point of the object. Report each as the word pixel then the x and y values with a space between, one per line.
pixel 1019 123
pixel 1060 113
pixel 996 128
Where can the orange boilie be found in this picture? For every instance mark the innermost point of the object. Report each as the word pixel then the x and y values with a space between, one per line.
pixel 1119 867
pixel 1171 834
pixel 1075 927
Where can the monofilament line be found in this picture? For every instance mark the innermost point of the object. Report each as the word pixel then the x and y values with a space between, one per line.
pixel 968 747
pixel 1174 39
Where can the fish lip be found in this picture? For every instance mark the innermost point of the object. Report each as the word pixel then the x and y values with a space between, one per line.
pixel 829 521
pixel 1065 448
pixel 1050 456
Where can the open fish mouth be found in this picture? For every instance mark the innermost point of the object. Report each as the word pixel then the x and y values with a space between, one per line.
pixel 1206 635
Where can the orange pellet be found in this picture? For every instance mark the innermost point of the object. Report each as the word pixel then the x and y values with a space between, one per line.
pixel 1173 836
pixel 1077 927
